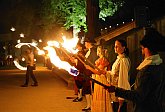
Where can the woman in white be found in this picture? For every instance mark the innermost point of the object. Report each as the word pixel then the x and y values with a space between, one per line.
pixel 118 76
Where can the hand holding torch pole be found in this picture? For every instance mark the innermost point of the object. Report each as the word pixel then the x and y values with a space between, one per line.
pixel 83 75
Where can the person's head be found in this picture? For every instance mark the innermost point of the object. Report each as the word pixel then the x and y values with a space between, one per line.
pixel 89 43
pixel 152 42
pixel 28 50
pixel 102 41
pixel 100 51
pixel 121 47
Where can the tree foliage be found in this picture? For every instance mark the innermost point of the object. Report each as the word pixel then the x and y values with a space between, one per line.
pixel 73 12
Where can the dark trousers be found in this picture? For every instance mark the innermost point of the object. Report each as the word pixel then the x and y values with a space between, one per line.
pixel 29 73
pixel 87 87
pixel 115 106
pixel 79 84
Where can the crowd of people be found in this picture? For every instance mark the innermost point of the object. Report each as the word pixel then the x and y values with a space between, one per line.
pixel 148 92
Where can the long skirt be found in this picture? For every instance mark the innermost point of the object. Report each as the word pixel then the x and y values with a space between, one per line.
pixel 101 98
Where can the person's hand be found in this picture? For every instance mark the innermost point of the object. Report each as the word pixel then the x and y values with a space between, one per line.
pixel 110 88
pixel 119 109
pixel 72 59
pixel 103 72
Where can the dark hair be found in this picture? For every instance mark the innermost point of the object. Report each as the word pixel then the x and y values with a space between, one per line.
pixel 153 40
pixel 30 49
pixel 124 44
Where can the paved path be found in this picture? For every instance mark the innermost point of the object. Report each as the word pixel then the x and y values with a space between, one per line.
pixel 49 96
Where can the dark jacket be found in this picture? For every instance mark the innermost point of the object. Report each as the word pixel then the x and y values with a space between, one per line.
pixel 91 59
pixel 148 95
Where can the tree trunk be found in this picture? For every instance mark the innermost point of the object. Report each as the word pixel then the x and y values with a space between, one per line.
pixel 92 18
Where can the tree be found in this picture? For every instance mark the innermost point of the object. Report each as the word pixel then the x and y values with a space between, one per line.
pixel 72 13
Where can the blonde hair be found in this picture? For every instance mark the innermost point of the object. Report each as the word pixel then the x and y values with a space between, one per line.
pixel 102 50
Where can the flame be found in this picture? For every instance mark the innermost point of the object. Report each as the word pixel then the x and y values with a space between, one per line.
pixel 41 52
pixel 53 43
pixel 70 44
pixel 58 62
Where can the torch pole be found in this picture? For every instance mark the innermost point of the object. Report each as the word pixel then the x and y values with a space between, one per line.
pixel 93 80
pixel 83 75
pixel 91 64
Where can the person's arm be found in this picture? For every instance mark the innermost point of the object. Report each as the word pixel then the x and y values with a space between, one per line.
pixel 31 57
pixel 139 94
pixel 92 69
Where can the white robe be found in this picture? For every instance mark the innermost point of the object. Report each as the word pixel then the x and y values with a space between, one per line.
pixel 119 74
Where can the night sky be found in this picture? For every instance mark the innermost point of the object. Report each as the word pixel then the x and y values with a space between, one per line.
pixel 156 8
pixel 12 10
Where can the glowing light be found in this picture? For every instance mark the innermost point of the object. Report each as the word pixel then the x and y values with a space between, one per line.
pixel 55 60
pixel 23 59
pixel 53 43
pixel 70 44
pixel 21 44
pixel 10 56
pixel 16 63
pixel 40 52
pixel 21 35
pixel 4 47
pixel 40 40
pixel 19 41
pixel 12 29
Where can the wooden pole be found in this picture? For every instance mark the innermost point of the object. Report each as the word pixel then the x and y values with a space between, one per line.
pixel 83 75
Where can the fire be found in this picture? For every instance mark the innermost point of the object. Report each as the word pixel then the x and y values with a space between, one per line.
pixel 70 44
pixel 53 43
pixel 58 62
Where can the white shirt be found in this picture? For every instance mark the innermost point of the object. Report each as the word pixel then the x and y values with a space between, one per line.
pixel 29 58
pixel 118 76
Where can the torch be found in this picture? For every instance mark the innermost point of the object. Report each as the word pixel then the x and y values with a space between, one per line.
pixel 66 66
pixel 76 73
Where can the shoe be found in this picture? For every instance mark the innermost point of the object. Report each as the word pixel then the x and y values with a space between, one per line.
pixel 77 99
pixel 25 85
pixel 34 85
pixel 86 109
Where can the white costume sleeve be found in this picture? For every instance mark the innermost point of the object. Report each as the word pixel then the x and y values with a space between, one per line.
pixel 123 81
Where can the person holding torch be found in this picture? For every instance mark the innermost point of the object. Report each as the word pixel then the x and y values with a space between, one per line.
pixel 149 90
